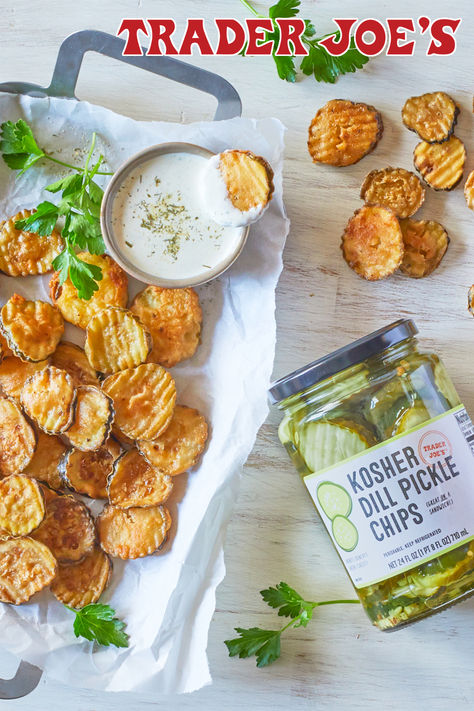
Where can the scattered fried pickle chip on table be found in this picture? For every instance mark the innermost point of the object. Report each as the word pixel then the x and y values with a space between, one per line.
pixel 134 482
pixel 469 190
pixel 22 505
pixel 173 317
pixel 24 253
pixel 73 360
pixel 81 584
pixel 144 399
pixel 343 132
pixel 49 398
pixel 67 528
pixel 372 243
pixel 14 373
pixel 432 116
pixel 93 419
pixel 441 164
pixel 181 444
pixel 17 438
pixel 470 300
pixel 115 340
pixel 133 533
pixel 112 291
pixel 425 242
pixel 87 472
pixel 33 329
pixel 45 462
pixel 395 188
pixel 26 567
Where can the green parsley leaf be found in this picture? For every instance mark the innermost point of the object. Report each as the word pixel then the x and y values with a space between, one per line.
pixel 69 184
pixel 327 68
pixel 264 644
pixel 289 602
pixel 284 8
pixel 84 276
pixel 18 145
pixel 42 221
pixel 97 622
pixel 85 233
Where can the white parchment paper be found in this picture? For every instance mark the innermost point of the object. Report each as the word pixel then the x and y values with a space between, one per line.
pixel 167 599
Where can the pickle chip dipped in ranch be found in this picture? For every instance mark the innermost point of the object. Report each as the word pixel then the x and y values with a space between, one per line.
pixel 385 448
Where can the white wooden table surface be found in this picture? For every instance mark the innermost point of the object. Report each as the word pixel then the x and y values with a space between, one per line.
pixel 339 661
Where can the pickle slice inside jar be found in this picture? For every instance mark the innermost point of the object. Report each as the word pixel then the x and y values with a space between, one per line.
pixel 324 443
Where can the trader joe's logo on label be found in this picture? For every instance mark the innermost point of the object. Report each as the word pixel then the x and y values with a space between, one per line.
pixel 402 502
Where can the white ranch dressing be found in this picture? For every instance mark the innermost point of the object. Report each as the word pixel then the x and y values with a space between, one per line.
pixel 161 225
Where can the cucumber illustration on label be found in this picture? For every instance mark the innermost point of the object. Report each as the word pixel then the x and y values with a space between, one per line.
pixel 334 499
pixel 345 533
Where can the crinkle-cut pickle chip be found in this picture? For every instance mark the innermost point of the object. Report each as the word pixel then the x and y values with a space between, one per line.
pixel 87 472
pixel 432 116
pixel 469 190
pixel 395 188
pixel 134 482
pixel 116 340
pixel 372 243
pixel 248 178
pixel 324 443
pixel 24 253
pixel 5 350
pixel 112 291
pixel 14 373
pixel 173 317
pixel 17 438
pixel 144 399
pixel 81 584
pixel 133 533
pixel 33 329
pixel 425 242
pixel 441 164
pixel 49 398
pixel 67 529
pixel 114 447
pixel 93 419
pixel 343 132
pixel 181 444
pixel 21 505
pixel 26 567
pixel 46 459
pixel 73 360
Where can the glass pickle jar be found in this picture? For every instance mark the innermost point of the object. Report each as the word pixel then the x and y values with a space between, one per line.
pixel 385 447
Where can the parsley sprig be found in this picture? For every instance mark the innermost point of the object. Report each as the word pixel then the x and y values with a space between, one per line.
pixel 97 622
pixel 265 644
pixel 80 198
pixel 318 61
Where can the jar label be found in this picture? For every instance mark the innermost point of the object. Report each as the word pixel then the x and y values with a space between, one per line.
pixel 402 502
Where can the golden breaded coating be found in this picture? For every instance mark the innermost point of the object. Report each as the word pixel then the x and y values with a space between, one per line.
pixel 112 291
pixel 87 472
pixel 114 447
pixel 92 420
pixel 73 360
pixel 425 242
pixel 470 300
pixel 49 398
pixel 115 340
pixel 372 243
pixel 46 459
pixel 24 253
pixel 432 116
pixel 17 438
pixel 81 584
pixel 248 178
pixel 343 132
pixel 144 399
pixel 14 373
pixel 26 567
pixel 396 188
pixel 181 444
pixel 33 329
pixel 67 529
pixel 133 533
pixel 173 317
pixel 469 190
pixel 5 350
pixel 22 505
pixel 134 482
pixel 441 164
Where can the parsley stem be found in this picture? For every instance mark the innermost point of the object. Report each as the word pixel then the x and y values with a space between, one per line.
pixel 336 602
pixel 72 167
pixel 246 4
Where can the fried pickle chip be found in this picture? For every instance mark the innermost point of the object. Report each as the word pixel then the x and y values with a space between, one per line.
pixel 432 116
pixel 115 340
pixel 49 398
pixel 173 317
pixel 26 567
pixel 23 253
pixel 343 132
pixel 87 472
pixel 469 190
pixel 134 482
pixel 46 459
pixel 33 329
pixel 5 349
pixel 17 438
pixel 93 419
pixel 114 447
pixel 181 444
pixel 425 242
pixel 144 399
pixel 372 243
pixel 81 584
pixel 441 164
pixel 470 300
pixel 21 505
pixel 396 188
pixel 112 291
pixel 132 533
pixel 67 529
pixel 73 360
pixel 14 373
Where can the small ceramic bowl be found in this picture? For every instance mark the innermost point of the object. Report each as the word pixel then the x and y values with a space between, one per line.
pixel 112 243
